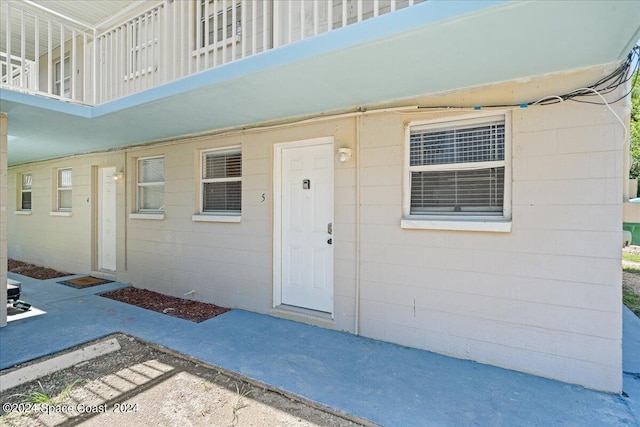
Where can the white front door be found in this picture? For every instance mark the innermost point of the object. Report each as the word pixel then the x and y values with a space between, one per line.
pixel 306 198
pixel 106 219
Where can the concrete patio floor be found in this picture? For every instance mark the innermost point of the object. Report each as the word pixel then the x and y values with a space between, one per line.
pixel 387 384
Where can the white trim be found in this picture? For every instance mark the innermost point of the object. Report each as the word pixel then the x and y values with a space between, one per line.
pixel 448 221
pixel 216 218
pixel 202 156
pixel 277 211
pixel 154 216
pixel 139 184
pixel 457 225
pixel 60 213
pixel 23 212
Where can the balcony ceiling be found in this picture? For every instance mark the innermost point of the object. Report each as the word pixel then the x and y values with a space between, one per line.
pixel 90 13
pixel 402 58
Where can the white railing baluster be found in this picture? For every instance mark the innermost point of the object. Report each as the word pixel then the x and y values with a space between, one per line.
pixel 223 37
pixel 359 10
pixel 316 14
pixel 254 27
pixel 189 39
pixel 182 54
pixel 94 70
pixel 344 13
pixel 243 27
pixel 84 67
pixel 290 22
pixel 22 48
pixel 199 29
pixel 393 5
pixel 410 3
pixel 36 72
pixel 206 41
pixel 234 29
pixel 175 50
pixel 154 47
pixel 62 76
pixel 376 7
pixel 148 66
pixel 264 25
pixel 302 20
pixel 8 44
pixel 329 15
pixel 214 32
pixel 73 64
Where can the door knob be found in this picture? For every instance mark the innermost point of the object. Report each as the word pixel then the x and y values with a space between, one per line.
pixel 330 241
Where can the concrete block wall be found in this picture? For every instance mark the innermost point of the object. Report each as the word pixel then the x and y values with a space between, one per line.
pixel 544 298
pixel 65 243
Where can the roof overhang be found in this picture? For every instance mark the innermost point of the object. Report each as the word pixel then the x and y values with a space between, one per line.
pixel 432 48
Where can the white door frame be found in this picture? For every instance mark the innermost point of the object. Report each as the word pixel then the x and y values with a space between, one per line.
pixel 277 209
pixel 99 220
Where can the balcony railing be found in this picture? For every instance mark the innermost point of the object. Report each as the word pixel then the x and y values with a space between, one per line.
pixel 171 40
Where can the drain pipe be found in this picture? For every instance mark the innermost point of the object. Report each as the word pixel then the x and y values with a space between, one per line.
pixel 356 326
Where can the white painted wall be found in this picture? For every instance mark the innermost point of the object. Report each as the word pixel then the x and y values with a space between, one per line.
pixel 65 243
pixel 544 298
pixel 3 219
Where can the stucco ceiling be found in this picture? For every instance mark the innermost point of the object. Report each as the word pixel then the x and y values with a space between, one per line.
pixel 432 48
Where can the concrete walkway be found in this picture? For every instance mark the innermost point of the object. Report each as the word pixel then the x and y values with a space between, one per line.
pixel 387 384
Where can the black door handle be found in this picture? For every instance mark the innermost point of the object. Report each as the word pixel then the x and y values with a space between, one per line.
pixel 330 241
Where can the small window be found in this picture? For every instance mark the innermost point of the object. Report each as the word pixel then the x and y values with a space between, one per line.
pixel 151 184
pixel 217 26
pixel 63 75
pixel 457 170
pixel 221 187
pixel 25 192
pixel 64 189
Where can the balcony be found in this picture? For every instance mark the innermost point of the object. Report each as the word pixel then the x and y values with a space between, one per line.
pixel 45 52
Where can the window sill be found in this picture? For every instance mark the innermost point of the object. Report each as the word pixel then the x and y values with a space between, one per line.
pixel 503 226
pixel 216 218
pixel 22 212
pixel 61 213
pixel 152 216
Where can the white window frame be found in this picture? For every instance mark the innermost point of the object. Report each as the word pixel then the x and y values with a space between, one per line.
pixel 217 216
pixel 140 185
pixel 23 190
pixel 216 20
pixel 60 88
pixel 496 223
pixel 60 188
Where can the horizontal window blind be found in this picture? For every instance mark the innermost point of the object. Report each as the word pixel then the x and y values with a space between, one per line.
pixel 222 181
pixel 482 143
pixel 223 165
pixel 470 191
pixel 64 178
pixel 151 170
pixel 222 196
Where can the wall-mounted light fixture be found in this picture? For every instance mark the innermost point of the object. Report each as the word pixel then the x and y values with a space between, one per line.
pixel 119 176
pixel 343 155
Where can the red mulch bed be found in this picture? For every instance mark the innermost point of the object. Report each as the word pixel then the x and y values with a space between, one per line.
pixel 34 271
pixel 194 311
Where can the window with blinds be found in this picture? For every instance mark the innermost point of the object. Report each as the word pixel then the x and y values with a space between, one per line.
pixel 222 181
pixel 151 184
pixel 64 189
pixel 25 192
pixel 458 168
